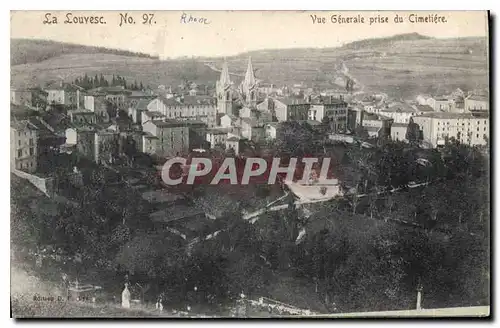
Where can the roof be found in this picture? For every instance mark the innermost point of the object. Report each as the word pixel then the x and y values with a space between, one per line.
pixel 153 114
pixel 198 100
pixel 477 98
pixel 310 122
pixel 166 123
pixel 424 108
pixel 370 116
pixel 111 89
pixel 232 117
pixel 193 122
pixel 291 101
pixel 41 125
pixel 251 121
pixel 169 101
pixel 400 107
pixel 384 118
pixel 139 94
pixel 65 86
pixel 233 139
pixel 34 90
pixel 218 130
pixel 142 104
pixel 331 101
pixel 450 115
pixel 23 125
pixel 399 125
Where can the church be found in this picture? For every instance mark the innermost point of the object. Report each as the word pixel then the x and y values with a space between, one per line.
pixel 246 94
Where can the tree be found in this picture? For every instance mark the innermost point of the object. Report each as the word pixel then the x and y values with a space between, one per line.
pixel 413 133
pixel 361 132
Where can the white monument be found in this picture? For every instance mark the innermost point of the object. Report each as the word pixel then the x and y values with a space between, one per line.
pixel 126 297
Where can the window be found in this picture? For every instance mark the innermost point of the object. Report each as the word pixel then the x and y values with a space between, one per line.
pixel 20 153
pixel 31 142
pixel 477 135
pixel 32 151
pixel 19 142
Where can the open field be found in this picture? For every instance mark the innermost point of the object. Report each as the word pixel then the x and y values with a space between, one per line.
pixel 401 65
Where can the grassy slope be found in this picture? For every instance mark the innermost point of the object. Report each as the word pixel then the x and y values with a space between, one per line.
pixel 411 64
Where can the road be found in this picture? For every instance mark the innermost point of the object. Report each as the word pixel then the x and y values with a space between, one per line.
pixel 269 208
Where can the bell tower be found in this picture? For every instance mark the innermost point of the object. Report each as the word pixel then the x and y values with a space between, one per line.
pixel 249 86
pixel 224 92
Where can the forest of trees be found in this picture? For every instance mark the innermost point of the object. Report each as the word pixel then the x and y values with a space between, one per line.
pixel 355 255
pixel 88 82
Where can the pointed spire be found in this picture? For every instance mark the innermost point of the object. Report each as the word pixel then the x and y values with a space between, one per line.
pixel 249 76
pixel 224 74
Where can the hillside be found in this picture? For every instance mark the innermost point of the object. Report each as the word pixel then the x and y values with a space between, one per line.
pixel 384 41
pixel 24 51
pixel 401 65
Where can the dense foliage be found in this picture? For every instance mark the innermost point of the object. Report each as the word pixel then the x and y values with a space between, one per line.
pixel 359 253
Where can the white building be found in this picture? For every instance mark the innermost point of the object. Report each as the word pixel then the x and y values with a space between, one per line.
pixel 476 103
pixel 401 112
pixel 468 128
pixel 398 131
pixel 200 108
pixel 217 136
pixel 270 130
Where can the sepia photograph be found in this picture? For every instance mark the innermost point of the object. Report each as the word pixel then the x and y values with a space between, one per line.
pixel 250 164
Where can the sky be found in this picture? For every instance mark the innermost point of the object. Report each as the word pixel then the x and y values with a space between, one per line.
pixel 171 34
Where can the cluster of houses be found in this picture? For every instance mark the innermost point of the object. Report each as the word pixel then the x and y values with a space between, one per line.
pixel 99 123
pixel 458 115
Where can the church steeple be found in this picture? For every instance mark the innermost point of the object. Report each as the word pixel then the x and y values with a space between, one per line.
pixel 224 92
pixel 224 74
pixel 249 85
pixel 249 76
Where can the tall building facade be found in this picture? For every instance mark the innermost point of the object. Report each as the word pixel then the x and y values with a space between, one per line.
pixel 23 146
